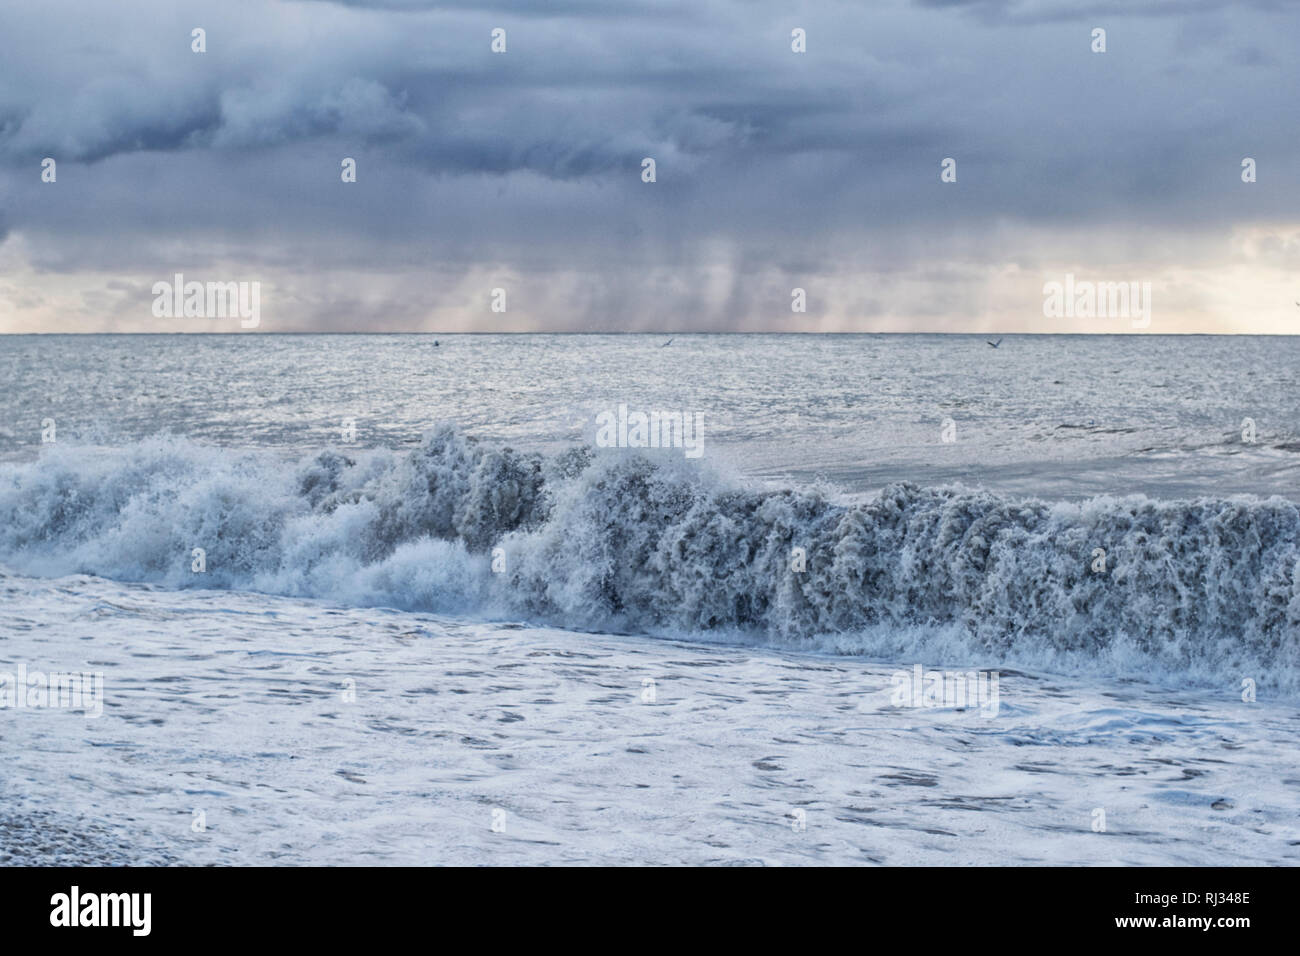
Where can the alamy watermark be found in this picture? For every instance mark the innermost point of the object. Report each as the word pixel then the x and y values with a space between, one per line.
pixel 655 429
pixel 212 300
pixel 37 690
pixel 1100 300
pixel 75 908
pixel 971 690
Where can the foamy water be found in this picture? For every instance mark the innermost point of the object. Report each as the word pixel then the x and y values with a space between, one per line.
pixel 233 706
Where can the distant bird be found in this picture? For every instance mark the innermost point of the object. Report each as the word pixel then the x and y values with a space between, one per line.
pixel 435 343
pixel 992 345
pixel 668 343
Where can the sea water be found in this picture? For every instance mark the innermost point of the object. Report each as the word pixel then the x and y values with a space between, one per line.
pixel 371 599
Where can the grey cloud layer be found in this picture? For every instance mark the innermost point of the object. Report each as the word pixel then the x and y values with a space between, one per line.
pixel 531 160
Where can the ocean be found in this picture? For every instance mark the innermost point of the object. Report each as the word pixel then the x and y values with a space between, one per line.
pixel 433 599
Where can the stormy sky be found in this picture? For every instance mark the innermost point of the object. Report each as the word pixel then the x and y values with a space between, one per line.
pixel 522 170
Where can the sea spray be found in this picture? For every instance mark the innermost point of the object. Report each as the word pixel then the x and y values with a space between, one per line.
pixel 620 539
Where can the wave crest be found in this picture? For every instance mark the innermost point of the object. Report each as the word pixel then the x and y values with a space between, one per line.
pixel 1208 589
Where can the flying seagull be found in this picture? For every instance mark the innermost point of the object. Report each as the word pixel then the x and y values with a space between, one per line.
pixel 993 345
pixel 668 343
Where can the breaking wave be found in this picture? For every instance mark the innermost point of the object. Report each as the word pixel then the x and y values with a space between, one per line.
pixel 1204 590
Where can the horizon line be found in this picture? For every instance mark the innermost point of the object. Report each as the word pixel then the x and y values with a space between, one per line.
pixel 674 332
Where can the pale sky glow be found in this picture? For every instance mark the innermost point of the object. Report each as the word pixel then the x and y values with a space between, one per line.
pixel 775 170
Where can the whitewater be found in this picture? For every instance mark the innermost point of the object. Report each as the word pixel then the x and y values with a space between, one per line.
pixel 473 637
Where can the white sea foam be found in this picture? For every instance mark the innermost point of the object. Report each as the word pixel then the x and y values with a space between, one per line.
pixel 300 732
pixel 1197 591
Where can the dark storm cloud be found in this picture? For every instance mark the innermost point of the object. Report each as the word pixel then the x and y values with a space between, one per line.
pixel 529 162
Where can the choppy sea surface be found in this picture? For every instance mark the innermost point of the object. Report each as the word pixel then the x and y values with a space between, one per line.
pixel 434 621
pixel 1057 415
